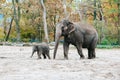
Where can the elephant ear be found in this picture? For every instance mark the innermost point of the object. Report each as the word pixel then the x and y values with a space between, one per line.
pixel 71 27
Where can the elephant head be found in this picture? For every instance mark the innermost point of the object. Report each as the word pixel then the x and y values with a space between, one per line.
pixel 63 28
pixel 67 28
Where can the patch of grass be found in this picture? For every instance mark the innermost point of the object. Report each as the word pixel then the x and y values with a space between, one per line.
pixel 108 46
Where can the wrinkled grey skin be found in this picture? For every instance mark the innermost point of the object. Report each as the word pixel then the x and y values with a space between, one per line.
pixel 81 35
pixel 43 49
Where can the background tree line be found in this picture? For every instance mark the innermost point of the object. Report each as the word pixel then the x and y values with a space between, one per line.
pixel 35 20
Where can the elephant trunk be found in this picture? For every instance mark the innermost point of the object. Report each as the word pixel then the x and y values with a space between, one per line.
pixel 56 46
pixel 57 38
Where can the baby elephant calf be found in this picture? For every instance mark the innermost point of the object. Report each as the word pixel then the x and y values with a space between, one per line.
pixel 43 49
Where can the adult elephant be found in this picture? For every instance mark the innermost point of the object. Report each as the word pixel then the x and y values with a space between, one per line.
pixel 81 35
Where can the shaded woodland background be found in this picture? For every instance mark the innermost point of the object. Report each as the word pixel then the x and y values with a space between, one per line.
pixel 35 20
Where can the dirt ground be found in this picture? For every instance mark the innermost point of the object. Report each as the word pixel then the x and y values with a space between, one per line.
pixel 16 64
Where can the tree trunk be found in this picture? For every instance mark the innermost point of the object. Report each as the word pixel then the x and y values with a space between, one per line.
pixel 17 19
pixel 100 11
pixel 7 36
pixel 44 20
pixel 5 26
pixel 101 19
pixel 64 7
pixel 80 15
pixel 54 25
pixel 118 22
pixel 95 10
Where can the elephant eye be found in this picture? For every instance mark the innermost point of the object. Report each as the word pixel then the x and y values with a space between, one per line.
pixel 64 28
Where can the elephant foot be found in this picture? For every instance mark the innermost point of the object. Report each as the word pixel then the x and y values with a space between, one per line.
pixel 82 57
pixel 49 58
pixel 66 58
pixel 91 57
pixel 45 58
pixel 39 58
pixel 94 56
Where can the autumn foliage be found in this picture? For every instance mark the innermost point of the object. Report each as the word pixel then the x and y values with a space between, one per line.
pixel 103 14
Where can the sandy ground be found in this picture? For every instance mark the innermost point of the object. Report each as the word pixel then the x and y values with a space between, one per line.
pixel 16 64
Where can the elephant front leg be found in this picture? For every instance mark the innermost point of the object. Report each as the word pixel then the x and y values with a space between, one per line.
pixel 66 48
pixel 32 53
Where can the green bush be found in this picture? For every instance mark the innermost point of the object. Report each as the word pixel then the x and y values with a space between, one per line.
pixel 26 40
pixel 105 46
pixel 105 42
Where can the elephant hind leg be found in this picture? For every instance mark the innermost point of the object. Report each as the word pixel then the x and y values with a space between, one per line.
pixel 91 53
pixel 91 49
pixel 48 55
pixel 33 53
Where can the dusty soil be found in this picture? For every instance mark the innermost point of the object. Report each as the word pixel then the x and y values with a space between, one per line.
pixel 16 64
